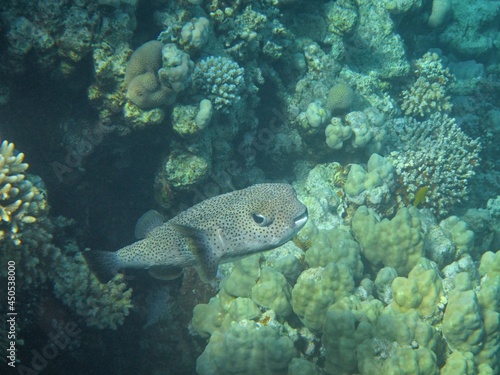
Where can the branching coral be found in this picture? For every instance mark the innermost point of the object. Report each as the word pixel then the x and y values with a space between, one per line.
pixel 20 200
pixel 221 80
pixel 434 153
pixel 101 305
pixel 429 93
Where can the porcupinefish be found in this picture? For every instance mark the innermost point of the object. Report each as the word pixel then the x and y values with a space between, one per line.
pixel 217 230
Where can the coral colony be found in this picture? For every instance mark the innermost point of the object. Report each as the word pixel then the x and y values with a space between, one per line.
pixel 380 119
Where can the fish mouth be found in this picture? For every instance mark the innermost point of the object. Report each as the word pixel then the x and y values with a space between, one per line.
pixel 301 220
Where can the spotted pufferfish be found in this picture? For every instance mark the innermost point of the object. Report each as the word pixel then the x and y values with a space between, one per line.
pixel 217 230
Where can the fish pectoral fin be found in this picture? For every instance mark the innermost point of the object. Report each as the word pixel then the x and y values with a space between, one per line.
pixel 199 244
pixel 146 223
pixel 165 272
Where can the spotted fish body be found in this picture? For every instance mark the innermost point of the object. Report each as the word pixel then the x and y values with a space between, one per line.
pixel 217 230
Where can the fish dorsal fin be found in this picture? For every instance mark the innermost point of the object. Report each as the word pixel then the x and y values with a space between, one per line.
pixel 146 223
pixel 201 248
pixel 165 272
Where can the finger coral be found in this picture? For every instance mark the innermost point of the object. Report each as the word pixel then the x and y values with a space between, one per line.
pixel 20 199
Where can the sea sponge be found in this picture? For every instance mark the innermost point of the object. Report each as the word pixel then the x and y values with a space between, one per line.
pixel 340 98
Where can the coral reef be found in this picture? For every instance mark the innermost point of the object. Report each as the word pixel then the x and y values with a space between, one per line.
pixel 394 271
pixel 415 324
pixel 246 347
pixel 375 31
pixel 440 11
pixel 55 37
pixel 28 242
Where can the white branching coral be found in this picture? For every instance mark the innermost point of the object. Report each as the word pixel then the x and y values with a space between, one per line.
pixel 20 200
pixel 221 79
pixel 436 154
pixel 429 92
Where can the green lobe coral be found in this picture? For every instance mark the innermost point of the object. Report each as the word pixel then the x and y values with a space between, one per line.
pixel 318 288
pixel 397 243
pixel 246 347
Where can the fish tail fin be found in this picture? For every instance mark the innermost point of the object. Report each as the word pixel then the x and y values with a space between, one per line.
pixel 104 264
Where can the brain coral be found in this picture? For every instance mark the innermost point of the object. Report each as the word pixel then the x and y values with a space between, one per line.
pixel 141 77
pixel 340 98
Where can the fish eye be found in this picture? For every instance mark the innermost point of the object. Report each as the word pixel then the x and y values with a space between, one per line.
pixel 261 220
